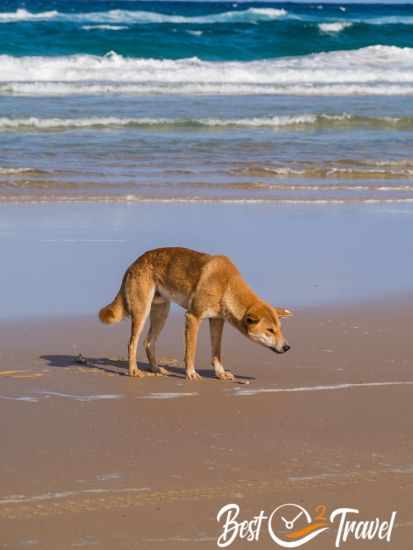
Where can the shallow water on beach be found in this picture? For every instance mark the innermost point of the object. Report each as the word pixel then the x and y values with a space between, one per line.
pixel 269 149
pixel 181 101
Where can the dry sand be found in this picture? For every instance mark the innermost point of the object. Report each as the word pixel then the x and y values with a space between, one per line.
pixel 91 457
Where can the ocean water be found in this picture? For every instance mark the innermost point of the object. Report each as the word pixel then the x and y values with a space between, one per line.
pixel 131 101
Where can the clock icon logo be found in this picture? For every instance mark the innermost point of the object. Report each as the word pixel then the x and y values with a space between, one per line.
pixel 290 525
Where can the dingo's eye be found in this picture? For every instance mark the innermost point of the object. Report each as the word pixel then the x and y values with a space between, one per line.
pixel 271 331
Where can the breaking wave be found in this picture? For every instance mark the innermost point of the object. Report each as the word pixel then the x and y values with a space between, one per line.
pixel 350 169
pixel 104 27
pixel 377 69
pixel 334 27
pixel 23 15
pixel 250 15
pixel 302 121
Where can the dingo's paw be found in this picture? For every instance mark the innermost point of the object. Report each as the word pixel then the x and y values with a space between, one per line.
pixel 161 370
pixel 136 373
pixel 225 375
pixel 193 375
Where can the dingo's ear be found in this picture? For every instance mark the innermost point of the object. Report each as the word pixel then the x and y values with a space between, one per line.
pixel 282 312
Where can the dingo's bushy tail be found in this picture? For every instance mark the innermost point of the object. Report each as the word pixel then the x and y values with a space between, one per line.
pixel 116 311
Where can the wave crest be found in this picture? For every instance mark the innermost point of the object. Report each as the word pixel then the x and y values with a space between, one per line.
pixel 374 69
pixel 301 121
pixel 250 15
pixel 104 27
pixel 334 27
pixel 337 170
pixel 23 15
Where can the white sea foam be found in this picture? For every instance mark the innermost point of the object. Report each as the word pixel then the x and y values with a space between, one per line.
pixel 37 395
pixel 375 69
pixel 74 397
pixel 167 395
pixel 332 387
pixel 56 89
pixel 334 27
pixel 250 15
pixel 23 15
pixel 271 13
pixel 195 33
pixel 388 20
pixel 26 398
pixel 19 171
pixel 104 27
pixel 108 477
pixel 145 17
pixel 16 499
pixel 107 122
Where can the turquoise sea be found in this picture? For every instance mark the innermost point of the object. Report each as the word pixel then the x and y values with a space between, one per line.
pixel 133 101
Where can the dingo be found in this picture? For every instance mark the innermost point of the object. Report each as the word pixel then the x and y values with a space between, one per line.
pixel 207 287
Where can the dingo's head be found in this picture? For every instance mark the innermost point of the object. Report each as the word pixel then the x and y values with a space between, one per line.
pixel 262 325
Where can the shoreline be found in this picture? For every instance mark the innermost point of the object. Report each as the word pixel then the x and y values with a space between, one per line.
pixel 131 200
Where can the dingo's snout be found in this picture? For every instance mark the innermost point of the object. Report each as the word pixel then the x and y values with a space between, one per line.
pixel 283 349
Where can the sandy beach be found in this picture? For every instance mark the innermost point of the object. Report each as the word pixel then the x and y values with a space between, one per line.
pixel 91 457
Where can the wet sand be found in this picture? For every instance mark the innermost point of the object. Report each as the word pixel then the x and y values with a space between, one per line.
pixel 91 457
pixel 292 255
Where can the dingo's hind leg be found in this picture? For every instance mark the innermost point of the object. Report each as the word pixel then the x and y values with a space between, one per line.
pixel 158 315
pixel 216 327
pixel 140 294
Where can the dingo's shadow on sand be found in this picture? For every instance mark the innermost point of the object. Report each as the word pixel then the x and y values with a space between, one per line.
pixel 120 366
pixel 108 365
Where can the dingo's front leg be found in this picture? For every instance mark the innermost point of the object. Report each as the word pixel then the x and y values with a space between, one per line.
pixel 216 326
pixel 191 335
